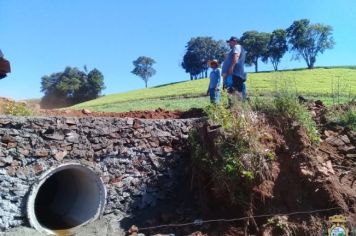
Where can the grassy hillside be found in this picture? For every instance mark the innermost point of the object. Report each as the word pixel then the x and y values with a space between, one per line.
pixel 330 85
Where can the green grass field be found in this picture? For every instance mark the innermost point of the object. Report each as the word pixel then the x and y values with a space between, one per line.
pixel 331 85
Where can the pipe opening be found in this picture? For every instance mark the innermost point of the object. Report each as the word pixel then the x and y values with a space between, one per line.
pixel 67 197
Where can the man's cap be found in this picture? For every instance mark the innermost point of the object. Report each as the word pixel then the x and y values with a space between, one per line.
pixel 232 38
pixel 214 61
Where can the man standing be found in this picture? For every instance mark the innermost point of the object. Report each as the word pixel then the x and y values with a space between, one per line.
pixel 234 66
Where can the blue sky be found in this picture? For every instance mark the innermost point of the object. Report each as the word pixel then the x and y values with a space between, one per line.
pixel 41 37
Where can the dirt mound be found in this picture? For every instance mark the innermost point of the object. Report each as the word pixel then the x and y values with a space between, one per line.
pixel 309 183
pixel 156 114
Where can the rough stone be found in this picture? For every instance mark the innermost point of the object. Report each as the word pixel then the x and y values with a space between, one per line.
pixel 352 156
pixel 136 158
pixel 7 139
pixel 41 153
pixel 345 139
pixel 86 111
pixel 336 141
pixel 7 159
pixel 330 133
pixel 347 149
pixel 54 136
pixel 60 155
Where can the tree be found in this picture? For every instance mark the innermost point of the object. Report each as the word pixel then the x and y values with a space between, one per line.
pixel 70 87
pixel 199 51
pixel 192 64
pixel 255 44
pixel 308 40
pixel 92 87
pixel 143 68
pixel 276 47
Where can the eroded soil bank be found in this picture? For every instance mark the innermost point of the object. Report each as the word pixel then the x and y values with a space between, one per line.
pixel 317 180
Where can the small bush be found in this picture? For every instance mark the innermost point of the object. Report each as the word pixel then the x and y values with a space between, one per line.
pixel 345 116
pixel 228 151
pixel 349 119
pixel 219 115
pixel 270 156
pixel 16 109
pixel 289 106
pixel 286 104
pixel 278 223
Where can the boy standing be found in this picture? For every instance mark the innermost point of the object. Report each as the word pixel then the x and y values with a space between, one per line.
pixel 215 80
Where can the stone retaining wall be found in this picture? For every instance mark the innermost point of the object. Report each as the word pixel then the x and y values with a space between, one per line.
pixel 138 160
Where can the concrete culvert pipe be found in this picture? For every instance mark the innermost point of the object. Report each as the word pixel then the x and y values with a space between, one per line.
pixel 65 198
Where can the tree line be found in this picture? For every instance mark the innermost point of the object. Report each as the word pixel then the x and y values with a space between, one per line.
pixel 71 86
pixel 303 39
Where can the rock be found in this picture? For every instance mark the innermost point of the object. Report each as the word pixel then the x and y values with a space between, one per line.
pixel 347 149
pixel 163 235
pixel 137 123
pixel 345 139
pixel 118 184
pixel 335 141
pixel 72 137
pixel 70 121
pixel 306 172
pixel 160 133
pixel 54 136
pixel 133 229
pixel 330 167
pixel 60 155
pixel 114 135
pixel 11 171
pixel 24 152
pixel 130 121
pixel 352 135
pixel 330 133
pixel 351 156
pixel 154 144
pixel 7 139
pixel 38 168
pixel 167 149
pixel 41 153
pixel 86 111
pixel 7 160
pixel 155 160
pixel 326 168
pixel 11 145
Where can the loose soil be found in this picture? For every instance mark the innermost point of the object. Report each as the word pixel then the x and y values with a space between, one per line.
pixel 156 114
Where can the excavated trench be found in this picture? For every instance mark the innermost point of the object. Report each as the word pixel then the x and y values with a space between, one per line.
pixel 66 197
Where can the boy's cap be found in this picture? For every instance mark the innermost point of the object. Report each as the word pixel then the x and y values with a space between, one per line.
pixel 232 38
pixel 216 62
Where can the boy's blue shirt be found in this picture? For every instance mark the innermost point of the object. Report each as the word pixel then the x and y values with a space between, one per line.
pixel 215 78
